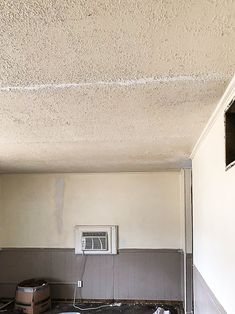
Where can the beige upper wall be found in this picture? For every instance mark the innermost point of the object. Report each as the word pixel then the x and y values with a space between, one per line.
pixel 41 210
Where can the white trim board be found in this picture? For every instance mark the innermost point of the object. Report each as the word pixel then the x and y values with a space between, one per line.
pixel 222 105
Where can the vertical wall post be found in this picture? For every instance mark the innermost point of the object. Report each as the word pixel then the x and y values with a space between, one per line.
pixel 187 238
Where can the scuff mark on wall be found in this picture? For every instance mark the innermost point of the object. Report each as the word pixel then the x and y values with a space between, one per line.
pixel 119 82
pixel 59 203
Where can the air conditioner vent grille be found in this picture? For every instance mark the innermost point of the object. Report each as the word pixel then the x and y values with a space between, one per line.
pixel 95 241
pixel 94 234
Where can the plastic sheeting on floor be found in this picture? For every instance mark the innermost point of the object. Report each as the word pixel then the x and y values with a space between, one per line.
pixel 160 310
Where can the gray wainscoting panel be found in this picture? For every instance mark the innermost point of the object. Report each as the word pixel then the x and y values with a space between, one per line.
pixel 132 274
pixel 205 301
pixel 189 282
pixel 154 275
pixel 98 278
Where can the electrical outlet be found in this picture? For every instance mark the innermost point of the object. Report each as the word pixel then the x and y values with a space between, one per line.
pixel 80 283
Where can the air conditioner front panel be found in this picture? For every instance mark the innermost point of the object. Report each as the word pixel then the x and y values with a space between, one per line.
pixel 95 239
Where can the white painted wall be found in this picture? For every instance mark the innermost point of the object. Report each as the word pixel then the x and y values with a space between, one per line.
pixel 214 212
pixel 41 210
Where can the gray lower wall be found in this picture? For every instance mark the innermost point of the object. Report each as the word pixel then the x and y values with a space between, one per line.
pixel 189 282
pixel 205 301
pixel 130 275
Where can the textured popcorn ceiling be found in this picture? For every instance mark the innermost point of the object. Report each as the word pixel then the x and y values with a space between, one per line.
pixel 109 85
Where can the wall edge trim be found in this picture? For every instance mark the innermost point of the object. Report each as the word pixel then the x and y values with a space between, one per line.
pixel 124 250
pixel 222 104
pixel 156 170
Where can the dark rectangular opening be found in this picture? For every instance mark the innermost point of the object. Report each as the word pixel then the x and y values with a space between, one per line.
pixel 230 135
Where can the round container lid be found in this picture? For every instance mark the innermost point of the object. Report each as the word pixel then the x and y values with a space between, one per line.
pixel 32 283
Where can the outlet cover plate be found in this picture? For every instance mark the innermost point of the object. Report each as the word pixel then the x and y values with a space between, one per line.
pixel 80 283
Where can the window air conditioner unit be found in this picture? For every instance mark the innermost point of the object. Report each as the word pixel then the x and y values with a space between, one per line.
pixel 95 239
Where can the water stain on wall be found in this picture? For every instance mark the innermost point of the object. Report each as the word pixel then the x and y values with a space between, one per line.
pixel 59 203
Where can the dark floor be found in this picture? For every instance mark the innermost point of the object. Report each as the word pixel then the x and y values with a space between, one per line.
pixel 124 308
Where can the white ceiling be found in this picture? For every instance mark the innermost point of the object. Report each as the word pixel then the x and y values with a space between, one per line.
pixel 91 86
